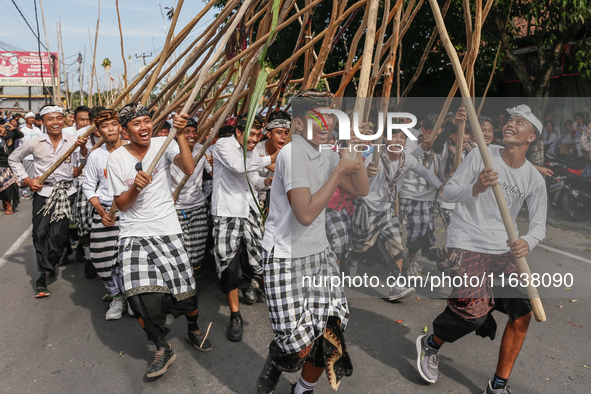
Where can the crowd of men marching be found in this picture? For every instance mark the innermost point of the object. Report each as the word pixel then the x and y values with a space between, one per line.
pixel 325 209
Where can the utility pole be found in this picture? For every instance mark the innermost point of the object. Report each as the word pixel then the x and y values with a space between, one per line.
pixel 79 60
pixel 143 56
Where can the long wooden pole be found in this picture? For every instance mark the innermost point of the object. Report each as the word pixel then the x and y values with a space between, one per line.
pixel 532 292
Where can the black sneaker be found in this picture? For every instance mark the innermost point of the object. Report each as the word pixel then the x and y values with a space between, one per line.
pixel 89 270
pixel 235 330
pixel 268 378
pixel 435 255
pixel 162 360
pixel 198 340
pixel 41 289
pixel 250 295
pixel 293 386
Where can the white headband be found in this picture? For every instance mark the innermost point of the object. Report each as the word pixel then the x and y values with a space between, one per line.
pixel 276 123
pixel 525 112
pixel 51 110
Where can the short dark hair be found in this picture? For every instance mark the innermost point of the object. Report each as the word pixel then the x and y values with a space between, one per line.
pixel 82 108
pixel 280 114
pixel 226 131
pixel 241 122
pixel 568 121
pixel 94 112
pixel 427 124
pixel 580 115
pixel 311 98
pixel 165 125
pixel 483 119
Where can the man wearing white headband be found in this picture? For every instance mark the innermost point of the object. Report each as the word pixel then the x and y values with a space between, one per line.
pixel 52 199
pixel 30 131
pixel 477 245
pixel 373 217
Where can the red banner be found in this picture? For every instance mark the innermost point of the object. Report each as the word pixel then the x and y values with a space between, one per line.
pixel 25 68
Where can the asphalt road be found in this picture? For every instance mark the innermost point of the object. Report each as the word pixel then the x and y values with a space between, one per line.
pixel 63 344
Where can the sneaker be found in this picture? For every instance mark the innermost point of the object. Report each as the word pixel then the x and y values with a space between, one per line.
pixel 489 389
pixel 41 289
pixel 435 255
pixel 400 292
pixel 235 330
pixel 116 308
pixel 89 270
pixel 413 268
pixel 162 360
pixel 268 378
pixel 198 340
pixel 250 295
pixel 293 386
pixel 108 297
pixel 427 360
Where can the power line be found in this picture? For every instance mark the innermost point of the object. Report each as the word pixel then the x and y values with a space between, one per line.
pixel 27 22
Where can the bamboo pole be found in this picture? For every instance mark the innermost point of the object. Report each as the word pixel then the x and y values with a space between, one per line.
pixel 93 72
pixel 198 85
pixel 55 91
pixel 532 292
pixel 121 36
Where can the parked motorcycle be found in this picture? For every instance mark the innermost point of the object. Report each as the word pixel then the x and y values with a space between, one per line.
pixel 567 190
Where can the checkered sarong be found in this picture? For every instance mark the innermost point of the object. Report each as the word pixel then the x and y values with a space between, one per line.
pixel 194 224
pixel 403 209
pixel 82 211
pixel 103 249
pixel 419 221
pixel 156 265
pixel 445 214
pixel 227 233
pixel 338 231
pixel 299 311
pixel 384 228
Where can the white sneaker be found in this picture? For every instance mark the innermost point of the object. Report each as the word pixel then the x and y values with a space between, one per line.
pixel 116 308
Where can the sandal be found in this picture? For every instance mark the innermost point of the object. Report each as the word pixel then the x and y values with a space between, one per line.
pixel 7 208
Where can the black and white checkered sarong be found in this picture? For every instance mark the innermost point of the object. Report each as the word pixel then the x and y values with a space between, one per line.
pixel 403 209
pixel 227 233
pixel 156 265
pixel 338 231
pixel 194 224
pixel 384 228
pixel 103 250
pixel 419 221
pixel 299 303
pixel 82 212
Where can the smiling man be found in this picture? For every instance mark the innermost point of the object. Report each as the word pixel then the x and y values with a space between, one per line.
pixel 53 199
pixel 154 265
pixel 237 230
pixel 478 246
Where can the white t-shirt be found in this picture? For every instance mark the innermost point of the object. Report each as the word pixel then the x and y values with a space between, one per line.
pixel 96 174
pixel 476 223
pixel 297 165
pixel 377 199
pixel 30 134
pixel 191 195
pixel 153 213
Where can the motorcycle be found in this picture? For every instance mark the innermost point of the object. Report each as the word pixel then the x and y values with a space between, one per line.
pixel 567 190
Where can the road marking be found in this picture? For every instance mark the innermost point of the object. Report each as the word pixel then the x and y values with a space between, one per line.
pixel 16 245
pixel 574 256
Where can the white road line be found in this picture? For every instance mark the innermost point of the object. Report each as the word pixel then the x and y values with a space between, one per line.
pixel 573 256
pixel 16 245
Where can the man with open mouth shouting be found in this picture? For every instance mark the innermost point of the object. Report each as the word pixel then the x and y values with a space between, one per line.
pixel 153 262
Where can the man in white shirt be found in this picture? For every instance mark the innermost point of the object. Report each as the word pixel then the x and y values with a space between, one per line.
pixel 237 230
pixel 374 220
pixel 104 233
pixel 53 199
pixel 308 319
pixel 478 247
pixel 152 259
pixel 191 208
pixel 417 196
pixel 30 131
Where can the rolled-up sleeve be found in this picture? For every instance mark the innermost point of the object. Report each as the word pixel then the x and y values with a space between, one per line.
pixel 15 160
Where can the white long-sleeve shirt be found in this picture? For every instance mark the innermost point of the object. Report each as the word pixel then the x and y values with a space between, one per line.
pixel 476 223
pixel 231 195
pixel 416 187
pixel 377 199
pixel 552 144
pixel 43 157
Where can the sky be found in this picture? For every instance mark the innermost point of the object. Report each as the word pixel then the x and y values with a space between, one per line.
pixel 141 20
